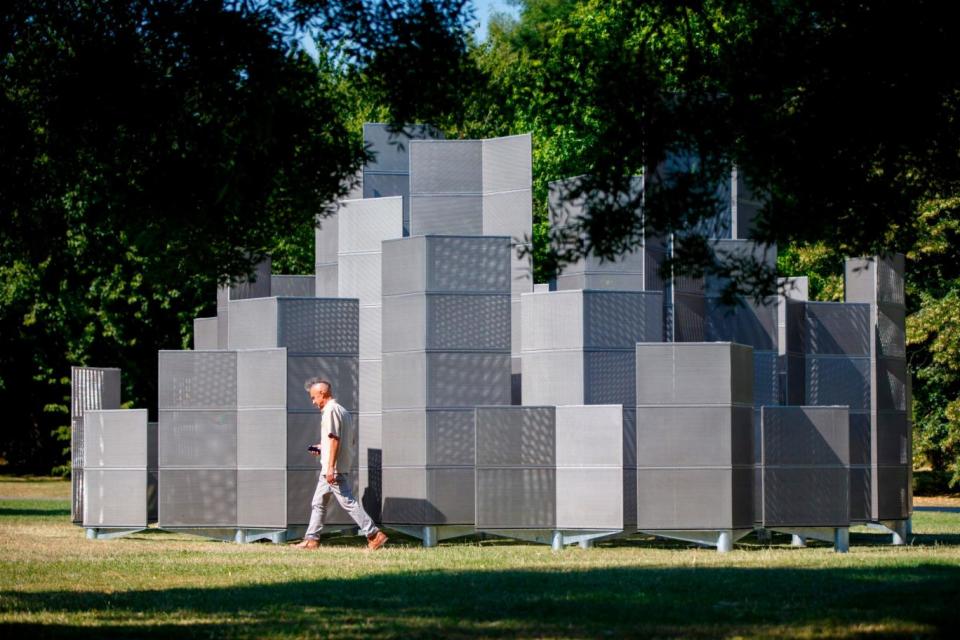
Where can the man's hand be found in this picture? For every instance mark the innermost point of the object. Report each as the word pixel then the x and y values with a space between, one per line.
pixel 332 476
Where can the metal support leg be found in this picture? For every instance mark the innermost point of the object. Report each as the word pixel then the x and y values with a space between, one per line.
pixel 899 536
pixel 586 544
pixel 557 541
pixel 909 528
pixel 429 537
pixel 91 534
pixel 240 537
pixel 798 541
pixel 841 539
pixel 724 542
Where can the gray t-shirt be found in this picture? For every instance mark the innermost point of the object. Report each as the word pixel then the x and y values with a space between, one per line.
pixel 335 422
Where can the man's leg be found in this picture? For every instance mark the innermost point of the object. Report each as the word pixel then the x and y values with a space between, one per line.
pixel 318 509
pixel 375 537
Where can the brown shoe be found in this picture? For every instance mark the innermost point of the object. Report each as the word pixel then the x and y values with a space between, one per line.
pixel 308 543
pixel 376 540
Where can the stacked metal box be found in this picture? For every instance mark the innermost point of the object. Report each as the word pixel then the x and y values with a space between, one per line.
pixel 317 337
pixel 805 471
pixel 748 322
pixel 91 388
pixel 638 270
pixel 478 187
pixel 828 364
pixel 446 350
pixel 235 424
pixel 549 469
pixel 388 173
pixel 695 441
pixel 879 282
pixel 364 225
pixel 257 286
pixel 579 347
pixel 115 473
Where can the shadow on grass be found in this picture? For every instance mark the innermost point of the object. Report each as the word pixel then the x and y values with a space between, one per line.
pixel 615 602
pixel 33 510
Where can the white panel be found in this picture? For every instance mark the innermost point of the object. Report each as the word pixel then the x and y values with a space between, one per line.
pixel 553 377
pixel 590 498
pixel 552 320
pixel 364 224
pixel 590 436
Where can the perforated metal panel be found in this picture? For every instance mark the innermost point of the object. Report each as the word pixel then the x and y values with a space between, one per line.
pixel 516 498
pixel 261 378
pixel 746 323
pixel 835 328
pixel 196 438
pixel 115 498
pixel 590 498
pixel 93 388
pixel 326 280
pixel 468 264
pixel 197 380
pixel 115 439
pixel 341 371
pixel 619 320
pixel 261 498
pixel 805 466
pixel 689 317
pixel 552 320
pixel 694 499
pixel 446 214
pixel 552 377
pixel 327 239
pixel 694 436
pixel 286 286
pixel 546 467
pixel 326 326
pixel 261 438
pixel 838 381
pixel 364 224
pixel 115 468
pixel 205 333
pixel 694 373
pixel 303 430
pixel 197 497
pixel 806 497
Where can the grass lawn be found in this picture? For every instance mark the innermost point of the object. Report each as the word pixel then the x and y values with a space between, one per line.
pixel 54 582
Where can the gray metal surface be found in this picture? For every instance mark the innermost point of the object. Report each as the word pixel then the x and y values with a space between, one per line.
pixel 115 498
pixel 289 286
pixel 549 467
pixel 115 439
pixel 805 480
pixel 197 497
pixel 116 458
pixel 205 333
pixel 91 388
pixel 694 498
pixel 388 172
pixel 694 436
pixel 446 349
pixel 694 374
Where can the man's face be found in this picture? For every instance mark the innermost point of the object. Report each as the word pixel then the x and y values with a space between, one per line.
pixel 319 394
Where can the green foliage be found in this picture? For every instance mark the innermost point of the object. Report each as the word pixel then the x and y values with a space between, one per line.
pixel 151 150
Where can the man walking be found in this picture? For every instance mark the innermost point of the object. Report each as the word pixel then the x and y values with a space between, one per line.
pixel 338 441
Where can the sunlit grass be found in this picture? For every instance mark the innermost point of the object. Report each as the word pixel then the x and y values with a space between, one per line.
pixel 53 581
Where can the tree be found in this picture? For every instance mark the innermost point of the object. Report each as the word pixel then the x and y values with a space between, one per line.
pixel 150 151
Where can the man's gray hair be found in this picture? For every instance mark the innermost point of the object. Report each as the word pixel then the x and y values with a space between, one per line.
pixel 312 381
